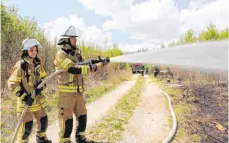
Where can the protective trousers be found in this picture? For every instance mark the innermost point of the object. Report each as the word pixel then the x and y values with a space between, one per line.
pixel 27 125
pixel 70 103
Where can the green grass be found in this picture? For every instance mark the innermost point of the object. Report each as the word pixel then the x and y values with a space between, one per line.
pixel 111 127
pixel 94 93
pixel 8 118
pixel 157 81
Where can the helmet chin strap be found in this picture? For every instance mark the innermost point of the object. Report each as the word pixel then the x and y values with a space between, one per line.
pixel 32 57
pixel 73 47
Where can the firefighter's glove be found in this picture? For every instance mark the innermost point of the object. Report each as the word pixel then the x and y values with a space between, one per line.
pixel 106 61
pixel 38 91
pixel 28 100
pixel 93 67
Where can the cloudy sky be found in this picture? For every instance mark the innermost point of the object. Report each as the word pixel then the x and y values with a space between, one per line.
pixel 132 24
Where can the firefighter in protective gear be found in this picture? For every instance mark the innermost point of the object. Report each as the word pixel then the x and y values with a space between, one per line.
pixel 71 87
pixel 26 76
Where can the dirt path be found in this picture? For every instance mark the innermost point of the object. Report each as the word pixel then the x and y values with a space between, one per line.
pixel 95 109
pixel 149 123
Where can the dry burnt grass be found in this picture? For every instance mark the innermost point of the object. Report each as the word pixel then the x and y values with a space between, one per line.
pixel 211 104
pixel 206 95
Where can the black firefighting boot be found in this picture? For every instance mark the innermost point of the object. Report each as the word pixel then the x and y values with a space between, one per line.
pixel 43 140
pixel 82 139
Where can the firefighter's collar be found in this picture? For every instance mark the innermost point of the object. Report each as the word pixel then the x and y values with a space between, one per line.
pixel 29 60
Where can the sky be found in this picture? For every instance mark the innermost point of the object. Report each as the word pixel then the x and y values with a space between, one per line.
pixel 130 24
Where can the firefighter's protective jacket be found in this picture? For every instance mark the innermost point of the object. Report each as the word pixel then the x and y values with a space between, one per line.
pixel 71 82
pixel 23 80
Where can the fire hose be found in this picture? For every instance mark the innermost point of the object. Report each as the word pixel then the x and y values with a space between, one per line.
pixel 174 128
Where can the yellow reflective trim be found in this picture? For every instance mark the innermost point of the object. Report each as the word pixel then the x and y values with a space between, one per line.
pixel 44 104
pixel 61 127
pixel 62 140
pixel 34 99
pixel 21 131
pixel 16 90
pixel 82 70
pixel 22 96
pixel 43 100
pixel 15 79
pixel 68 91
pixel 34 109
pixel 41 134
pixel 43 74
pixel 68 87
pixel 34 105
pixel 65 63
pixel 71 79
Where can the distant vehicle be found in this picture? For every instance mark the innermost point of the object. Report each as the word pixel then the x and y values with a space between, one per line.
pixel 138 68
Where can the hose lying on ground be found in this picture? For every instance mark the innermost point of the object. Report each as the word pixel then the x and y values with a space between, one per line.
pixel 174 128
